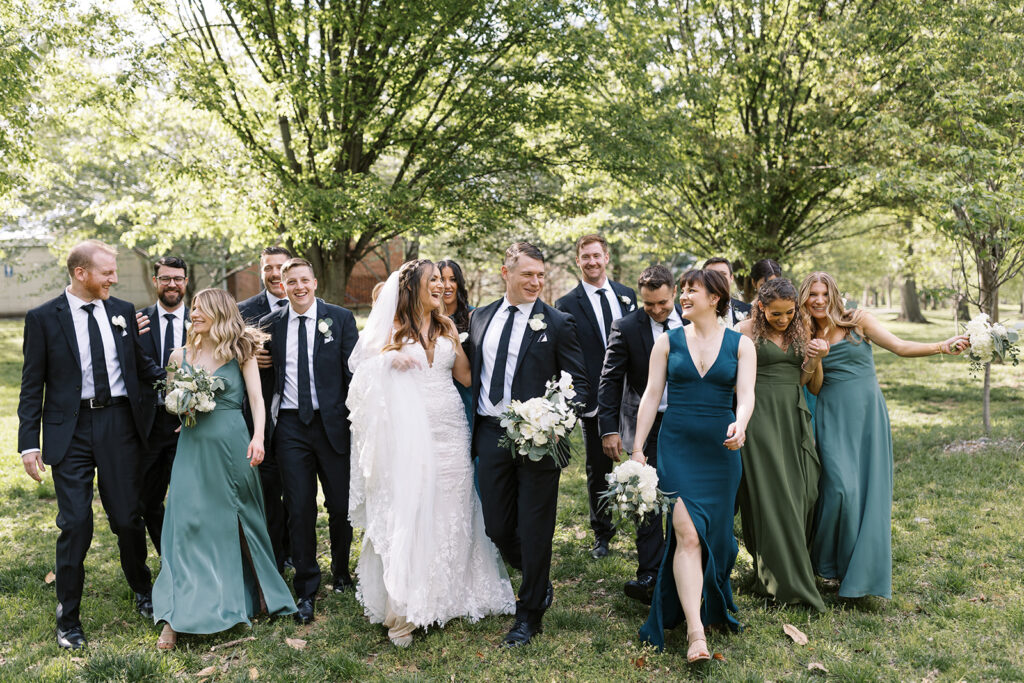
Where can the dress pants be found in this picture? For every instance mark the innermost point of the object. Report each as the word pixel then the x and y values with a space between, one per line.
pixel 650 537
pixel 598 466
pixel 520 502
pixel 155 468
pixel 273 505
pixel 106 445
pixel 304 454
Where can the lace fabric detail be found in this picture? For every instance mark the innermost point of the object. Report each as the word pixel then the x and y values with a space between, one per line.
pixel 439 564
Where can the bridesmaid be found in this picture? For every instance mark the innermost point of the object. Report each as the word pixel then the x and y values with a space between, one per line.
pixel 764 270
pixel 455 299
pixel 780 466
pixel 698 459
pixel 852 538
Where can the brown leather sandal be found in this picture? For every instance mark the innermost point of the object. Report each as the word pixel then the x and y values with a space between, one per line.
pixel 168 638
pixel 701 655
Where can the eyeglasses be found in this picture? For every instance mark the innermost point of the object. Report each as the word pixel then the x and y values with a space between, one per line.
pixel 167 279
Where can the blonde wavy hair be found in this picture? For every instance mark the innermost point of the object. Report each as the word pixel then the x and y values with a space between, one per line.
pixel 835 316
pixel 409 313
pixel 228 334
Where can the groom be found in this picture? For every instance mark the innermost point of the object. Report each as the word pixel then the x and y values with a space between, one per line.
pixel 517 344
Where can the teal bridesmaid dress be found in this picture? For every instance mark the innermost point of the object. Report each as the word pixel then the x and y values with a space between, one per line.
pixel 206 582
pixel 694 467
pixel 852 537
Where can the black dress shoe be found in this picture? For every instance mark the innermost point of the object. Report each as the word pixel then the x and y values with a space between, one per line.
pixel 72 639
pixel 287 564
pixel 599 550
pixel 144 604
pixel 521 634
pixel 342 584
pixel 304 615
pixel 641 589
pixel 549 595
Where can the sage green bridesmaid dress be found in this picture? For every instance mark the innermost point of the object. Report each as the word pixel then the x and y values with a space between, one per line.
pixel 779 487
pixel 206 582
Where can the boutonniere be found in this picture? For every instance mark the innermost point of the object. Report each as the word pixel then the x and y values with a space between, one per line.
pixel 324 325
pixel 463 336
pixel 537 323
pixel 118 321
pixel 626 302
pixel 740 315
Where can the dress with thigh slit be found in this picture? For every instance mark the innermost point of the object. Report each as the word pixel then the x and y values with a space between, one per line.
pixel 206 583
pixel 694 467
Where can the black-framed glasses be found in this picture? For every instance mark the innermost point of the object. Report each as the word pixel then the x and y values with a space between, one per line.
pixel 167 279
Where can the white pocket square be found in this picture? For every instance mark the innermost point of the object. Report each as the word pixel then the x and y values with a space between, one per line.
pixel 543 338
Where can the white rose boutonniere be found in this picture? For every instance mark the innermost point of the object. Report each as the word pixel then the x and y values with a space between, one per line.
pixel 119 322
pixel 324 326
pixel 741 315
pixel 537 323
pixel 626 302
pixel 463 336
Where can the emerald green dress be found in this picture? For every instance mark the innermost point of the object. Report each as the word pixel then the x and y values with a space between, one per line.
pixel 779 488
pixel 206 584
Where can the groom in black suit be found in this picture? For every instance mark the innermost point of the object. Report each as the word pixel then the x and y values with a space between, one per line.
pixel 81 375
pixel 595 304
pixel 623 381
pixel 307 422
pixel 516 345
pixel 170 323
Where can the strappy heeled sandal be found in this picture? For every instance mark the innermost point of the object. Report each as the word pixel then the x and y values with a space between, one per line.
pixel 168 638
pixel 693 638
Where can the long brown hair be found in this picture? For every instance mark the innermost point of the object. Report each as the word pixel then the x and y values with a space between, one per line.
pixel 835 316
pixel 409 312
pixel 798 332
pixel 228 334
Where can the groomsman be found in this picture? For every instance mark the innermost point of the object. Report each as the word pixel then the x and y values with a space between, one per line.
pixel 512 359
pixel 254 309
pixel 595 304
pixel 81 376
pixel 738 310
pixel 170 275
pixel 310 343
pixel 626 365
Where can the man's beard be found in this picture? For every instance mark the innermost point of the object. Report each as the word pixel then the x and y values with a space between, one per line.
pixel 170 304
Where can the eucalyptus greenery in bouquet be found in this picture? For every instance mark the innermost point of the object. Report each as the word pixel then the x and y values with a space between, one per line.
pixel 190 392
pixel 541 426
pixel 633 493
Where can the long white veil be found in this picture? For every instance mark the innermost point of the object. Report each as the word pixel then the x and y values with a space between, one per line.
pixel 392 471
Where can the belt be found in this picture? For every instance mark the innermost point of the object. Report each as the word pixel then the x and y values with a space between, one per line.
pixel 293 411
pixel 91 403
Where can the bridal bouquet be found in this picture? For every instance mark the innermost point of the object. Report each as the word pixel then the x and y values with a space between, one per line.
pixel 541 425
pixel 990 342
pixel 633 493
pixel 190 392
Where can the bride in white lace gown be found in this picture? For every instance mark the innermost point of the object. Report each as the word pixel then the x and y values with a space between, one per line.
pixel 425 558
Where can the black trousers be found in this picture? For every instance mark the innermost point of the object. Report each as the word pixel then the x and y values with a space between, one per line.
pixel 304 455
pixel 273 505
pixel 155 469
pixel 105 445
pixel 598 466
pixel 520 501
pixel 650 537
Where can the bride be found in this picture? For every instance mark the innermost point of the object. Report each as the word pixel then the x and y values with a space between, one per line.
pixel 425 557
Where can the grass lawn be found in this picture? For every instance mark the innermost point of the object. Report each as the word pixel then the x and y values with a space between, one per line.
pixel 957 611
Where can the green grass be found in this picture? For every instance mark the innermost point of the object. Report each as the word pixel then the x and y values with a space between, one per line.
pixel 957 611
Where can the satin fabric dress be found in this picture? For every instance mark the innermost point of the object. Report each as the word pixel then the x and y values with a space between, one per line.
pixel 206 584
pixel 696 468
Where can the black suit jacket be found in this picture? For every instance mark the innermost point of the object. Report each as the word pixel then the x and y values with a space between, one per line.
pixel 151 343
pixel 577 304
pixel 739 307
pixel 331 374
pixel 543 354
pixel 626 365
pixel 51 387
pixel 255 308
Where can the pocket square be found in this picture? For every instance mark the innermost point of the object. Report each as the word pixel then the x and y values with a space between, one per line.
pixel 543 338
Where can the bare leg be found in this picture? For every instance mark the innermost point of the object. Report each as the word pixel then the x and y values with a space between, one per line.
pixel 247 557
pixel 689 577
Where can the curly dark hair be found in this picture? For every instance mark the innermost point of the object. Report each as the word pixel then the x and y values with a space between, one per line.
pixel 461 315
pixel 798 332
pixel 409 312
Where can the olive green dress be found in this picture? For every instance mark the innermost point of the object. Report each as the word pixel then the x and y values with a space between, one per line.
pixel 206 585
pixel 779 489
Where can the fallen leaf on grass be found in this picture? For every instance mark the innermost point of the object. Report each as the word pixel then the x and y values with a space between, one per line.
pixel 76 660
pixel 208 671
pixel 980 598
pixel 50 577
pixel 296 643
pixel 931 677
pixel 231 643
pixel 718 657
pixel 254 674
pixel 817 667
pixel 639 662
pixel 796 634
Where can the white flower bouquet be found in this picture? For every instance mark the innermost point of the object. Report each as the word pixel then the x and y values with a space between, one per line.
pixel 541 426
pixel 633 493
pixel 990 343
pixel 190 392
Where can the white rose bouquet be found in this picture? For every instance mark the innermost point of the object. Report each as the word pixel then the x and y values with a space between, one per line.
pixel 990 343
pixel 190 392
pixel 633 493
pixel 541 426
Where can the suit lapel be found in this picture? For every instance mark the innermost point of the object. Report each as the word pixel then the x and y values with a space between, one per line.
pixel 118 339
pixel 279 349
pixel 529 336
pixel 318 339
pixel 646 333
pixel 184 327
pixel 588 309
pixel 68 325
pixel 479 331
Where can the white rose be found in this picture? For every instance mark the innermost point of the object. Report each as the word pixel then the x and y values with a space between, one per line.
pixel 540 439
pixel 323 327
pixel 537 323
pixel 172 401
pixel 463 336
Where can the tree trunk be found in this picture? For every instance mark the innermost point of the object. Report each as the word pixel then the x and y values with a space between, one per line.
pixel 986 397
pixel 1021 311
pixel 910 305
pixel 988 296
pixel 963 313
pixel 330 268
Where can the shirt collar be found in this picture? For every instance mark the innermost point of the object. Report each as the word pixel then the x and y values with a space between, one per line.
pixel 77 303
pixel 161 311
pixel 524 308
pixel 309 314
pixel 591 290
pixel 272 300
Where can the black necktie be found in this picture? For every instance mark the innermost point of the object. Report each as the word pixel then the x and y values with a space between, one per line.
pixel 305 397
pixel 664 325
pixel 168 339
pixel 99 360
pixel 606 312
pixel 497 390
pixel 281 302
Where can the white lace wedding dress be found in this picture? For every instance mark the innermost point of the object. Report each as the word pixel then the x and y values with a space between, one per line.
pixel 425 555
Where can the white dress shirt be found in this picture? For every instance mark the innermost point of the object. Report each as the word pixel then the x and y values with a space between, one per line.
pixel 81 320
pixel 290 399
pixel 595 302
pixel 272 300
pixel 674 321
pixel 490 350
pixel 178 324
